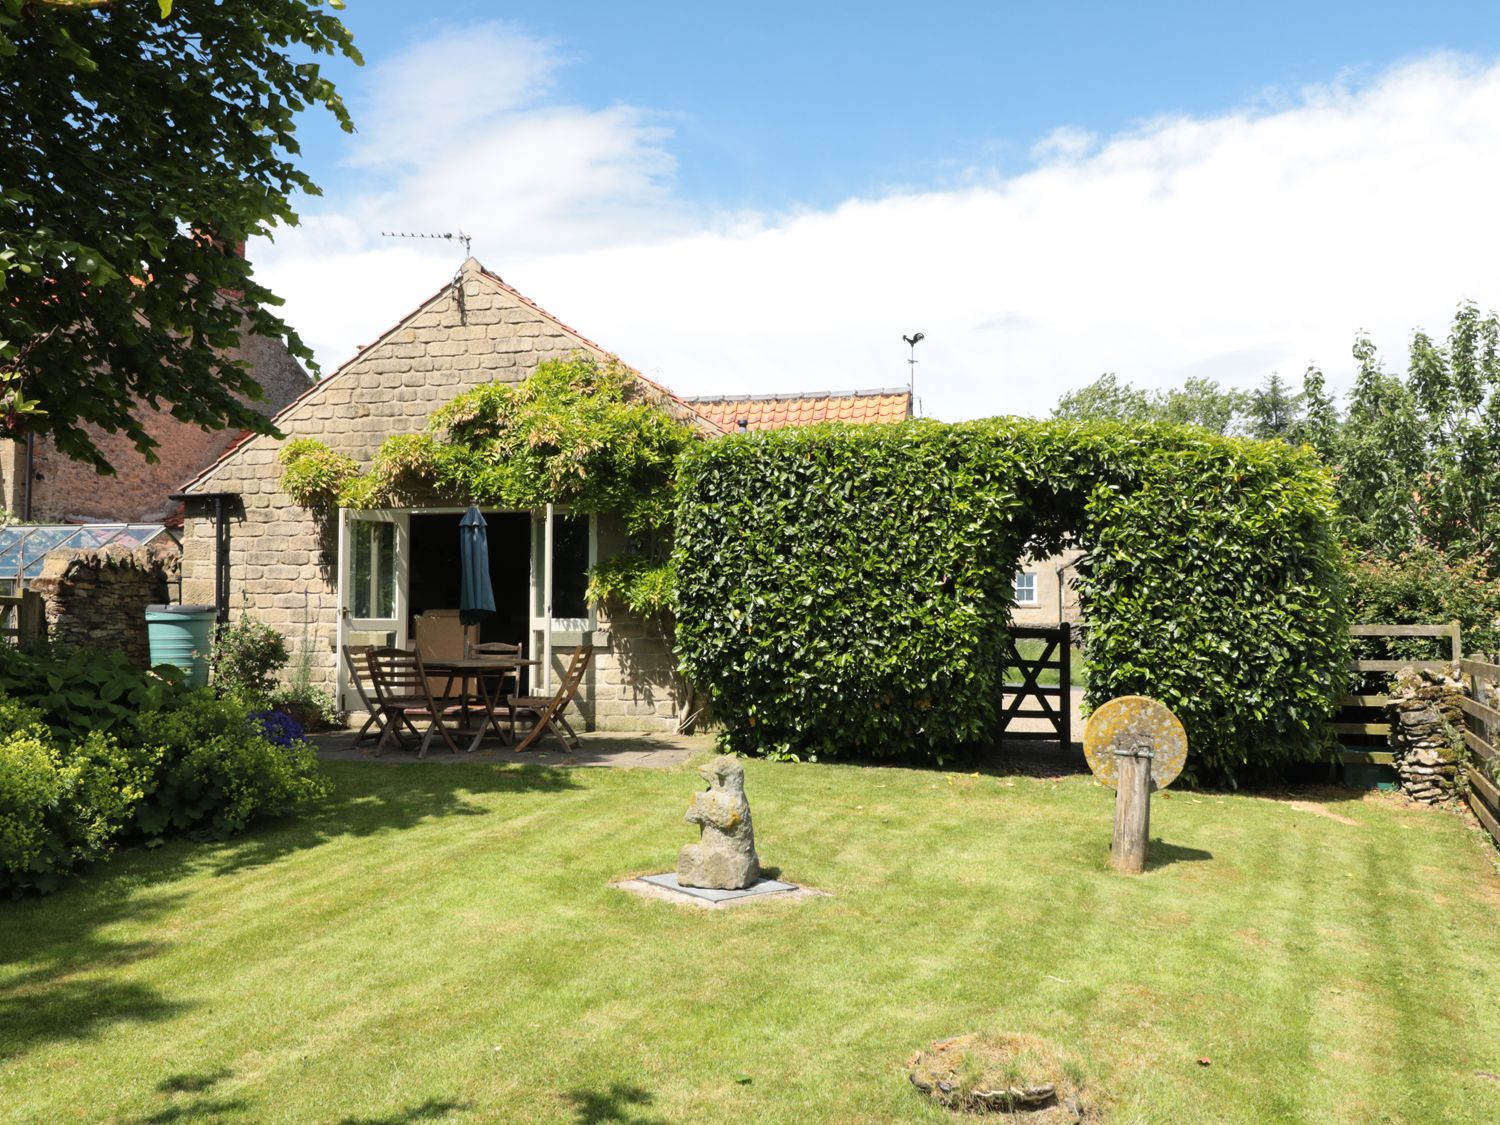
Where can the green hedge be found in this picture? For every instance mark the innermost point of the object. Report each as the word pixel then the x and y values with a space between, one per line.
pixel 845 591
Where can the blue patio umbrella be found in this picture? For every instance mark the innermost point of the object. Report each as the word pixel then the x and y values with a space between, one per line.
pixel 476 600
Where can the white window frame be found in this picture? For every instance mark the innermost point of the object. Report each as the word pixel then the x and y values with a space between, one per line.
pixel 565 630
pixel 1016 588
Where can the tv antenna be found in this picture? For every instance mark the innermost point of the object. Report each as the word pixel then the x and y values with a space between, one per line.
pixel 911 380
pixel 450 236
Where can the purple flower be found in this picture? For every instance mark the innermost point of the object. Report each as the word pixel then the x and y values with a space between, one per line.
pixel 279 727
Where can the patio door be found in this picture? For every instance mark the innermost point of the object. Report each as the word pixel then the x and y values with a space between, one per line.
pixel 374 549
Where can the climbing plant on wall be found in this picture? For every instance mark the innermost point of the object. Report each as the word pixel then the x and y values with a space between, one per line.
pixel 578 432
pixel 845 591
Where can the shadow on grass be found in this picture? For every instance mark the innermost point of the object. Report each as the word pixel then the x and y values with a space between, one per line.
pixel 595 1107
pixel 60 975
pixel 1160 854
pixel 369 801
pixel 194 1109
pixel 433 1109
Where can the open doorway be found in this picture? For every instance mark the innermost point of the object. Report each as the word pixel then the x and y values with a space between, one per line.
pixel 436 575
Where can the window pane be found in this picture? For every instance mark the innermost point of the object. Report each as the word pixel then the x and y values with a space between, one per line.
pixel 570 564
pixel 385 547
pixel 1025 585
pixel 359 571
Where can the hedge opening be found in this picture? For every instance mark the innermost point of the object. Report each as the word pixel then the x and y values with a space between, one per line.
pixel 846 591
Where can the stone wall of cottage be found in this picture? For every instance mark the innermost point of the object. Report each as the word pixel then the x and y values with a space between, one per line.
pixel 283 558
pixel 97 599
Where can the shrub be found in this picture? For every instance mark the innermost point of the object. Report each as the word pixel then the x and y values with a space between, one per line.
pixel 214 769
pixel 846 591
pixel 247 656
pixel 77 691
pixel 1427 586
pixel 93 752
pixel 59 806
pixel 311 706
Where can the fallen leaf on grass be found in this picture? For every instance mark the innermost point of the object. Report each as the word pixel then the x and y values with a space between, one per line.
pixel 1205 1062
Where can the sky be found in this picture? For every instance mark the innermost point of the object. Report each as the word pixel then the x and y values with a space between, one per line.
pixel 758 199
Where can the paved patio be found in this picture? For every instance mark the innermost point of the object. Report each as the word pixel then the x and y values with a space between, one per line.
pixel 595 748
pixel 619 750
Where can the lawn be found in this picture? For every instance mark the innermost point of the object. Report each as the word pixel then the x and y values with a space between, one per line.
pixel 439 943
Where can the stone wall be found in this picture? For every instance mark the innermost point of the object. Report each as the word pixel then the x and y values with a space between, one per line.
pixel 97 599
pixel 282 558
pixel 1425 713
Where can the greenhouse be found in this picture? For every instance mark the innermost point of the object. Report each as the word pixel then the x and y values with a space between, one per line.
pixel 24 547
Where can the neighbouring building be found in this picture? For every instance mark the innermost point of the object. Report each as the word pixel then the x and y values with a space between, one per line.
pixel 1046 593
pixel 39 484
pixel 362 577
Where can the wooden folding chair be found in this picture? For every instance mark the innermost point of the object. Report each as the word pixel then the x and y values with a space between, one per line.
pixel 354 661
pixel 404 694
pixel 549 711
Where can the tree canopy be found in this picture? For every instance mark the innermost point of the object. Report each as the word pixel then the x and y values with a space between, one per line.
pixel 1416 455
pixel 142 143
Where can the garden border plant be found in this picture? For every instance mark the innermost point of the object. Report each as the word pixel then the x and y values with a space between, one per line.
pixel 845 591
pixel 94 753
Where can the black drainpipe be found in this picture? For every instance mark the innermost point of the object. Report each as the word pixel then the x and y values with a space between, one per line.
pixel 30 469
pixel 221 546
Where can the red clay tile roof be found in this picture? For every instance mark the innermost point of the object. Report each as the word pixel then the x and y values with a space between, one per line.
pixel 771 412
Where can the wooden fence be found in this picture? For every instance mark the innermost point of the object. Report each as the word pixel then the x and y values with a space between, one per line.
pixel 22 617
pixel 1354 723
pixel 1481 733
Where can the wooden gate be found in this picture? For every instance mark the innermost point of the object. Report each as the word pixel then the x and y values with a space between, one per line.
pixel 22 618
pixel 1054 704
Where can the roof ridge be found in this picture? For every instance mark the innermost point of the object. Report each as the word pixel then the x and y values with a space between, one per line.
pixel 783 396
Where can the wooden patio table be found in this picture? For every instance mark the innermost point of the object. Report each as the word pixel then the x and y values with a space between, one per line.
pixel 476 668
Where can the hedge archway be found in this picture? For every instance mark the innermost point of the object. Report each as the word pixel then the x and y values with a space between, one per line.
pixel 845 591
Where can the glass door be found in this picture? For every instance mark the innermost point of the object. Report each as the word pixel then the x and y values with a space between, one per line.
pixel 374 548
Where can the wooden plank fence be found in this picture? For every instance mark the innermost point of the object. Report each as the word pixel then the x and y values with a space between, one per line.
pixel 1481 735
pixel 1352 722
pixel 23 619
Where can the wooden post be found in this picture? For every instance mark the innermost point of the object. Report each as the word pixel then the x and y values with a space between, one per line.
pixel 1132 809
pixel 31 618
pixel 1065 682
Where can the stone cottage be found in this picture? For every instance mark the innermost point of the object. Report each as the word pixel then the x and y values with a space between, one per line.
pixel 365 578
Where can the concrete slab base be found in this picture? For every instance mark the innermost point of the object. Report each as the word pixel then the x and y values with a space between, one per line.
pixel 666 888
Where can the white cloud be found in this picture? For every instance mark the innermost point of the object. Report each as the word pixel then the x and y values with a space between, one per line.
pixel 1228 246
pixel 1066 142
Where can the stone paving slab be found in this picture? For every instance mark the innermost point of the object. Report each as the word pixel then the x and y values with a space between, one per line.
pixel 710 894
pixel 650 887
pixel 603 749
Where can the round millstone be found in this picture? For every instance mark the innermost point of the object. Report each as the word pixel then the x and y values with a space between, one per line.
pixel 1127 723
